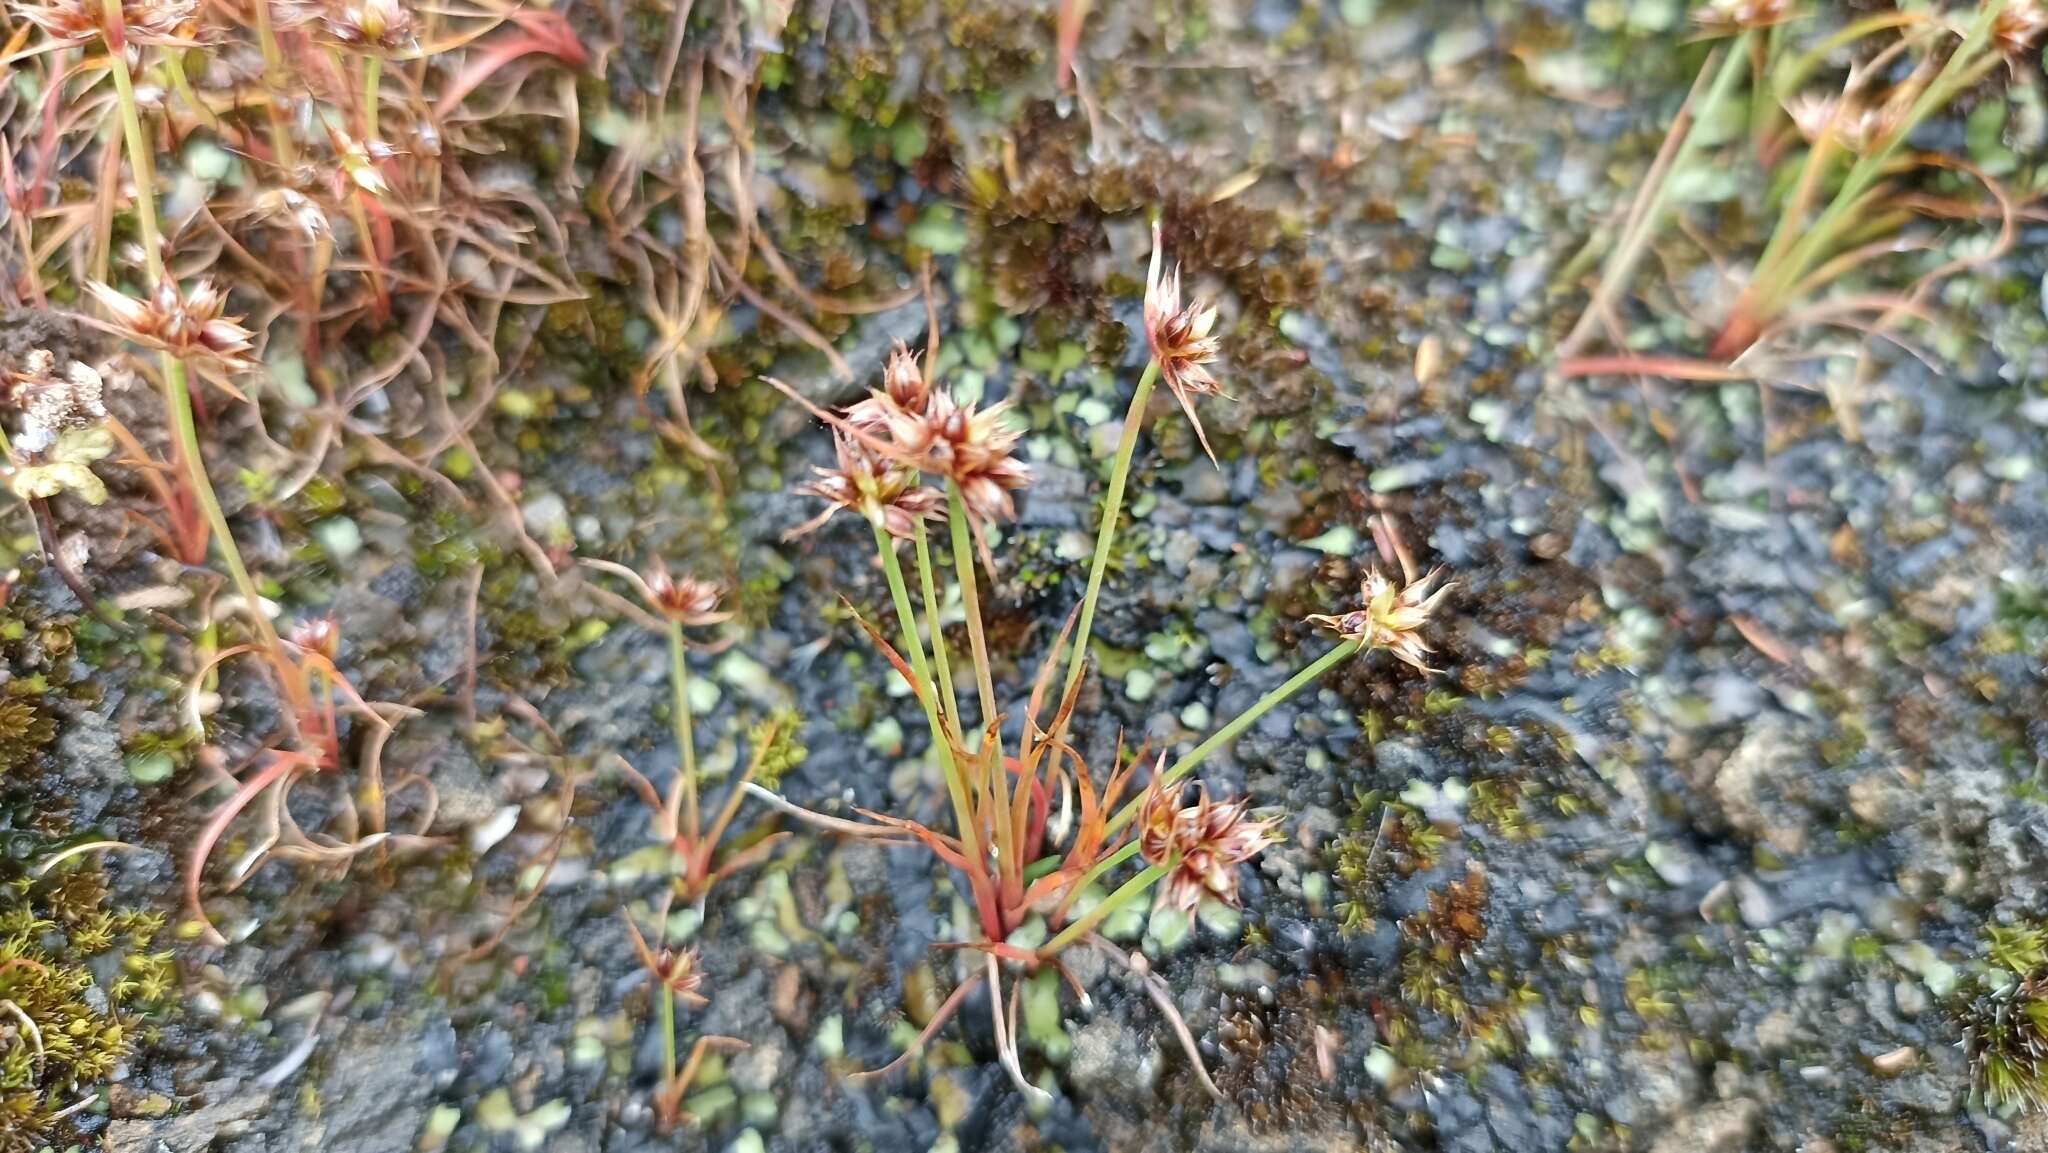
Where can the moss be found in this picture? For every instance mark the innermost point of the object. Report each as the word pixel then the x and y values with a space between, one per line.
pixel 1441 938
pixel 60 1032
pixel 787 750
pixel 2004 1023
pixel 1381 838
pixel 1271 1048
pixel 2005 1040
pixel 1501 803
pixel 2018 949
pixel 24 731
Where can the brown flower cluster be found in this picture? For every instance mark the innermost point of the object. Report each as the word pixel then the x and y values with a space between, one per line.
pixel 875 488
pixel 685 600
pixel 286 209
pixel 163 22
pixel 676 969
pixel 682 600
pixel 1200 845
pixel 2018 26
pixel 360 163
pixel 903 391
pixel 320 636
pixel 1391 617
pixel 1855 126
pixel 1181 338
pixel 907 429
pixel 187 325
pixel 1728 17
pixel 380 26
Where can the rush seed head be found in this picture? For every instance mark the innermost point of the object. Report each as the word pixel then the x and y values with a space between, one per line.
pixel 1181 337
pixel 320 636
pixel 684 600
pixel 969 447
pixel 877 489
pixel 2018 27
pixel 1391 616
pixel 1200 845
pixel 377 25
pixel 1854 126
pixel 1729 17
pixel 188 324
pixel 360 162
pixel 163 22
pixel 287 209
pixel 904 392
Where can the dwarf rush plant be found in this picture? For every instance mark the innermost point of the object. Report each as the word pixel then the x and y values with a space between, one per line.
pixel 684 605
pixel 1840 155
pixel 911 458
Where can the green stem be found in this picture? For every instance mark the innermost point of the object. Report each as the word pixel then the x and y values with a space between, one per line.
pixel 1763 111
pixel 373 71
pixel 1244 720
pixel 970 599
pixel 942 661
pixel 906 620
pixel 139 156
pixel 1775 278
pixel 681 720
pixel 1635 241
pixel 176 392
pixel 1791 76
pixel 1112 512
pixel 178 401
pixel 273 73
pixel 1124 853
pixel 668 1038
pixel 1110 904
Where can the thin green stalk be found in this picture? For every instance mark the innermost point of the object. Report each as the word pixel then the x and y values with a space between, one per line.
pixel 668 1038
pixel 273 73
pixel 178 401
pixel 1763 113
pixel 970 599
pixel 1642 225
pixel 1338 653
pixel 172 69
pixel 1110 904
pixel 1790 76
pixel 942 661
pixel 1112 512
pixel 139 156
pixel 906 621
pixel 1216 740
pixel 176 392
pixel 681 720
pixel 1961 68
pixel 373 71
pixel 1123 853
